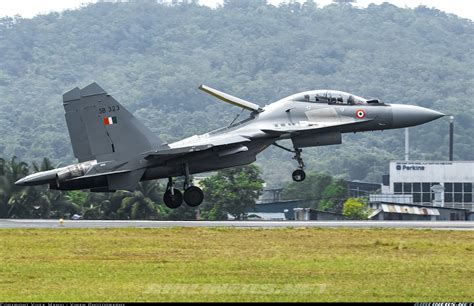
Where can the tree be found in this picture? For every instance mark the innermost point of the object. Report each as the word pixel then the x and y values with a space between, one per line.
pixel 244 4
pixel 143 203
pixel 59 203
pixel 184 212
pixel 12 197
pixel 311 189
pixel 45 165
pixel 334 196
pixel 231 191
pixel 344 2
pixel 355 209
pixel 103 205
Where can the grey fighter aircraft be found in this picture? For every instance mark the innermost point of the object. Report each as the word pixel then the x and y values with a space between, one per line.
pixel 115 150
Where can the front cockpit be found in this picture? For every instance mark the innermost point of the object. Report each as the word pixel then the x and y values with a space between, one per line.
pixel 330 97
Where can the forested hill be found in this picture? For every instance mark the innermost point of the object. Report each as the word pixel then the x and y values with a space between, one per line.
pixel 152 58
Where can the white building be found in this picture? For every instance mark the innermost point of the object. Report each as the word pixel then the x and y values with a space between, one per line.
pixel 439 183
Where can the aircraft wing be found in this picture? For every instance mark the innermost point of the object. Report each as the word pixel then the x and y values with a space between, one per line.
pixel 172 152
pixel 195 144
pixel 231 99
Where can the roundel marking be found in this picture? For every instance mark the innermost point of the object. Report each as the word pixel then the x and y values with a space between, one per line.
pixel 360 113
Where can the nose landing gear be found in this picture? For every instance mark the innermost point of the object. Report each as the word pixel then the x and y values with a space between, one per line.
pixel 298 175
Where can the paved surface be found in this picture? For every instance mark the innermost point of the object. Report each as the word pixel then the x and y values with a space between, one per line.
pixel 23 223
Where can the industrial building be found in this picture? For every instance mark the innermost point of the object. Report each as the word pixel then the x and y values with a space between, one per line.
pixel 428 190
pixel 438 183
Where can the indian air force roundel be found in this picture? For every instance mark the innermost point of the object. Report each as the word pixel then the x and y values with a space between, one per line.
pixel 360 113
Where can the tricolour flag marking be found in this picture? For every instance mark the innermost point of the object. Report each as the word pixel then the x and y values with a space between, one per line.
pixel 110 120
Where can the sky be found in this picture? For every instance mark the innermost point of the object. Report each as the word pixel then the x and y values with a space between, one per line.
pixel 30 8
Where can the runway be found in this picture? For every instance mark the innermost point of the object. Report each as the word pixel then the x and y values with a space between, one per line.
pixel 37 223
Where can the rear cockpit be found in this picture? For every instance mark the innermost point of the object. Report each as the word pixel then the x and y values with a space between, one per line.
pixel 330 97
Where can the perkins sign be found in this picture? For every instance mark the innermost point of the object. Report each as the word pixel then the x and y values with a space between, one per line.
pixel 410 167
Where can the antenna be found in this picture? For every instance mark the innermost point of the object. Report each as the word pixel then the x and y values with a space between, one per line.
pixel 407 144
pixel 451 137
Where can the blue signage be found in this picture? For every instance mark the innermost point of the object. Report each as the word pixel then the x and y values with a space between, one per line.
pixel 410 167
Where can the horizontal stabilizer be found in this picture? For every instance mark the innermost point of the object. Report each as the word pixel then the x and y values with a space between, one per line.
pixel 125 181
pixel 231 99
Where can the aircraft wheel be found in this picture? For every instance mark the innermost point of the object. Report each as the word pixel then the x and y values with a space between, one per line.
pixel 298 175
pixel 193 196
pixel 173 200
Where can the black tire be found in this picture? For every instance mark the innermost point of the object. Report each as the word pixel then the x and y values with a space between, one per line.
pixel 193 196
pixel 173 201
pixel 298 175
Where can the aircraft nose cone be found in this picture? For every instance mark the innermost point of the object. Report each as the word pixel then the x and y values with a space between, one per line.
pixel 410 115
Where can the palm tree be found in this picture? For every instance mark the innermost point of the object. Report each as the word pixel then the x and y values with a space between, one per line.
pixel 59 204
pixel 143 203
pixel 45 165
pixel 103 205
pixel 112 205
pixel 11 171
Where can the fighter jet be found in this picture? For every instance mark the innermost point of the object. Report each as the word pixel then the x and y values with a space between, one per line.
pixel 116 151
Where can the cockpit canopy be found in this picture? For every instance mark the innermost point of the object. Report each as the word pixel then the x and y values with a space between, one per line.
pixel 330 97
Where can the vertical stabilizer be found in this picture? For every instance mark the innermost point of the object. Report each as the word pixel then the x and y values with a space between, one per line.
pixel 101 128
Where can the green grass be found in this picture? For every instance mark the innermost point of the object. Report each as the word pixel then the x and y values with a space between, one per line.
pixel 223 264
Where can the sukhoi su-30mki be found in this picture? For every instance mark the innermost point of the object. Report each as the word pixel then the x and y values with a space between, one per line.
pixel 115 151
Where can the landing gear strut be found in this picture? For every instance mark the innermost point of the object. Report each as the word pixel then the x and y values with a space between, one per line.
pixel 298 175
pixel 173 198
pixel 193 195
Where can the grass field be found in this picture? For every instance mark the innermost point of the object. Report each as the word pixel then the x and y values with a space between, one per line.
pixel 222 264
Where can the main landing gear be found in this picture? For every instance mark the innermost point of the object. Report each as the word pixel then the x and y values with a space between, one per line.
pixel 193 195
pixel 298 175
